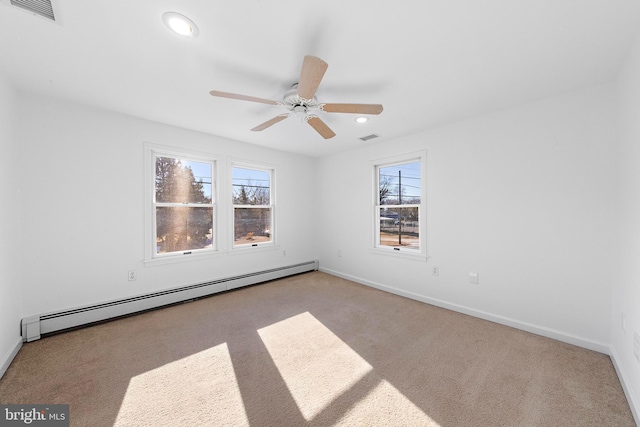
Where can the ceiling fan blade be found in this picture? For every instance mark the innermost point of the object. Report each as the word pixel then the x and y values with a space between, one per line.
pixel 242 97
pixel 353 108
pixel 321 127
pixel 270 122
pixel 313 69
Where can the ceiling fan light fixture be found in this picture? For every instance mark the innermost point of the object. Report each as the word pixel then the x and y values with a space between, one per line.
pixel 362 119
pixel 180 24
pixel 300 111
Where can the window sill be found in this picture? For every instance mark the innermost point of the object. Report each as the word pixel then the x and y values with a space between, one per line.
pixel 407 254
pixel 250 249
pixel 172 259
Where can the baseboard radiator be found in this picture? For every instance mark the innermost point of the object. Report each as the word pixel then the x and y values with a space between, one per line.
pixel 34 327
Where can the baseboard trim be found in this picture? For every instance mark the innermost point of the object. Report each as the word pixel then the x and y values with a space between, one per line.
pixel 628 392
pixel 524 326
pixel 8 358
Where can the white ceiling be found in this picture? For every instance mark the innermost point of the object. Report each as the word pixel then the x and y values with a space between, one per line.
pixel 428 62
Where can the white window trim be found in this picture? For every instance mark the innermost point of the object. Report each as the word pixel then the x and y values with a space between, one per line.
pixel 150 152
pixel 259 246
pixel 420 254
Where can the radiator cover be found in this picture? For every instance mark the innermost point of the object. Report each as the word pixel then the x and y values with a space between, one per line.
pixel 33 327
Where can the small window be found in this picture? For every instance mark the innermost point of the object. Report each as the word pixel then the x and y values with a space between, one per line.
pixel 399 207
pixel 253 206
pixel 183 205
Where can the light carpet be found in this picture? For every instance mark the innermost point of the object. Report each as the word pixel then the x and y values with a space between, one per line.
pixel 314 350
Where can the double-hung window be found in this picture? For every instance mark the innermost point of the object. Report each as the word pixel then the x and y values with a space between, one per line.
pixel 253 205
pixel 183 205
pixel 399 205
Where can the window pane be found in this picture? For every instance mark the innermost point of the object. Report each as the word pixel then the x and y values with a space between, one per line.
pixel 182 181
pixel 251 225
pixel 400 184
pixel 399 227
pixel 183 228
pixel 251 187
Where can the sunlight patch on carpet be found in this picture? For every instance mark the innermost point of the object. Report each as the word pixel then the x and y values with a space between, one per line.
pixel 314 363
pixel 326 377
pixel 389 407
pixel 196 390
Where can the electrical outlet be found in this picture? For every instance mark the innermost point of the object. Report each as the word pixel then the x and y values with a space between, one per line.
pixel 474 278
pixel 132 275
pixel 636 346
pixel 435 270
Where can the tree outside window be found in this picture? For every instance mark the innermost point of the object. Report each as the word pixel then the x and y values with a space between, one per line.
pixel 184 205
pixel 252 206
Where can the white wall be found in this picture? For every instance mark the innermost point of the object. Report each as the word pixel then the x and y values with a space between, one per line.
pixel 83 206
pixel 522 196
pixel 11 296
pixel 626 285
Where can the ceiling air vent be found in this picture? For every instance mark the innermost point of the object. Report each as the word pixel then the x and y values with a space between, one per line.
pixel 39 7
pixel 368 137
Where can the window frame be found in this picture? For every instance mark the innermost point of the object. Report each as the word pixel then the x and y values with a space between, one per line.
pixel 262 167
pixel 421 252
pixel 153 151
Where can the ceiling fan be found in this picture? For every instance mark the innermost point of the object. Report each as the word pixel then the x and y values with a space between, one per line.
pixel 300 100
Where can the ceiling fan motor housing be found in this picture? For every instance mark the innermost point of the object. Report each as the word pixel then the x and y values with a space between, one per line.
pixel 292 99
pixel 298 106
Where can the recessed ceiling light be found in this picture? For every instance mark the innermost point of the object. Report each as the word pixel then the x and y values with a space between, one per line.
pixel 180 24
pixel 362 119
